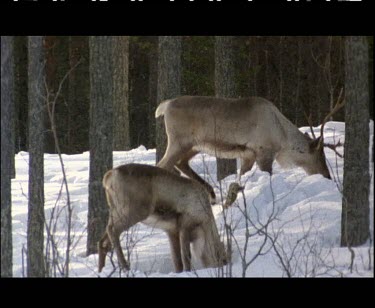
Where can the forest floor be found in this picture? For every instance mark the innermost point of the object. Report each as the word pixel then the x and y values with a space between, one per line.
pixel 300 214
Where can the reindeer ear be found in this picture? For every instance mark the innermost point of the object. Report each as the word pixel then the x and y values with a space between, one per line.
pixel 314 144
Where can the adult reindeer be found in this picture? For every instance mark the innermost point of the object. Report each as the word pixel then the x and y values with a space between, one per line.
pixel 251 129
pixel 161 199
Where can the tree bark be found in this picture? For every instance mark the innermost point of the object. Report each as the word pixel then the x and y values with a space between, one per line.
pixel 152 89
pixel 57 65
pixel 35 224
pixel 143 72
pixel 12 116
pixel 7 151
pixel 78 94
pixel 225 86
pixel 355 212
pixel 101 134
pixel 169 82
pixel 121 139
pixel 20 93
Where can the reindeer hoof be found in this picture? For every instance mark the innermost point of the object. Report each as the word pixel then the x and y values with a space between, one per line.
pixel 125 266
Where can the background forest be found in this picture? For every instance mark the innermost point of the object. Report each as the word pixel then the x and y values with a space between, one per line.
pixel 67 95
pixel 298 74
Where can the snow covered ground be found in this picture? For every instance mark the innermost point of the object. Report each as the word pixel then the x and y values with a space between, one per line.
pixel 300 214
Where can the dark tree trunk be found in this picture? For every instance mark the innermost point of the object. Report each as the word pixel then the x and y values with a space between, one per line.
pixel 20 93
pixel 198 64
pixel 152 89
pixel 141 49
pixel 101 134
pixel 57 65
pixel 7 151
pixel 121 139
pixel 355 213
pixel 137 88
pixel 225 87
pixel 371 75
pixel 78 94
pixel 52 63
pixel 12 116
pixel 169 83
pixel 35 224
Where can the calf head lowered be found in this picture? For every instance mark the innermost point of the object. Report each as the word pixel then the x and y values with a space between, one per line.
pixel 161 199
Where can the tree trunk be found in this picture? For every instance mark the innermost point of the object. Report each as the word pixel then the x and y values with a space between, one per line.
pixel 7 151
pixel 101 134
pixel 78 94
pixel 57 65
pixel 225 87
pixel 12 116
pixel 121 139
pixel 35 224
pixel 152 89
pixel 20 93
pixel 355 213
pixel 169 83
pixel 141 50
pixel 198 64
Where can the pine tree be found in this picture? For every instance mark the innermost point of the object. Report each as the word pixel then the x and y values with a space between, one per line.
pixel 101 134
pixel 78 98
pixel 225 87
pixel 121 139
pixel 169 82
pixel 36 220
pixel 355 213
pixel 7 100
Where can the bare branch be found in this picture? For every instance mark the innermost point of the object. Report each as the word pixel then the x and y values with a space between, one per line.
pixel 334 146
pixel 309 120
pixel 339 104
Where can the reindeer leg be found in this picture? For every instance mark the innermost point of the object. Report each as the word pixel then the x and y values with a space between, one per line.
pixel 175 250
pixel 172 155
pixel 183 166
pixel 114 236
pixel 104 245
pixel 264 159
pixel 246 164
pixel 185 249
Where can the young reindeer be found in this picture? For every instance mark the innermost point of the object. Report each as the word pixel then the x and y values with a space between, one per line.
pixel 161 199
pixel 251 129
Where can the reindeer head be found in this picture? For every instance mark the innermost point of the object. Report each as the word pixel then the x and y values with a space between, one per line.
pixel 316 159
pixel 317 162
pixel 216 255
